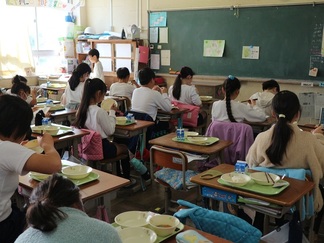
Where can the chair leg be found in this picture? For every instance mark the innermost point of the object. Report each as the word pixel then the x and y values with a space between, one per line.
pixel 167 199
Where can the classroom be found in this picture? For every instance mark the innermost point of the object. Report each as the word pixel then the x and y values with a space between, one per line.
pixel 162 121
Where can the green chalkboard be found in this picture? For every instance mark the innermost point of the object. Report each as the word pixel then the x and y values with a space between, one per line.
pixel 289 38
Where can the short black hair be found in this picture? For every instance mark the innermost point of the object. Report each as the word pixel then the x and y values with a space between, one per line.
pixel 122 72
pixel 270 84
pixel 145 75
pixel 94 52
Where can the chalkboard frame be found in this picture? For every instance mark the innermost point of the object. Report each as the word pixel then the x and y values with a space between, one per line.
pixel 289 38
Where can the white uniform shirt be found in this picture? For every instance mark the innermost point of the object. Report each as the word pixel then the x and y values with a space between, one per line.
pixel 99 120
pixel 188 95
pixel 240 112
pixel 98 71
pixel 264 101
pixel 122 89
pixel 148 101
pixel 13 159
pixel 73 96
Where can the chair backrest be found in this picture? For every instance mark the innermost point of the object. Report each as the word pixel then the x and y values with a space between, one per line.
pixel 189 118
pixel 168 158
pixel 90 147
pixel 240 134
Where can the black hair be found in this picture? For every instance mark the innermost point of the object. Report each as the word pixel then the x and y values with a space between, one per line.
pixel 285 105
pixel 16 87
pixel 91 86
pixel 184 73
pixel 45 200
pixel 230 85
pixel 94 52
pixel 270 84
pixel 15 116
pixel 145 75
pixel 77 73
pixel 122 72
pixel 18 79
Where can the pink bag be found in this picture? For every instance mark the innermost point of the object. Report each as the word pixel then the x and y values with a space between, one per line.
pixel 102 214
pixel 90 147
pixel 190 118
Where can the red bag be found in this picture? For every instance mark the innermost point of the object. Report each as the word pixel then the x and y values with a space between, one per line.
pixel 90 147
pixel 190 118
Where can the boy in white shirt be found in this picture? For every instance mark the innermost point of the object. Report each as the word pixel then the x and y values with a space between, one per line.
pixel 97 71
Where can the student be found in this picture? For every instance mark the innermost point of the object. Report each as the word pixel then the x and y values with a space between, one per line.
pixel 30 97
pixel 93 117
pixel 56 214
pixel 17 160
pixel 230 110
pixel 97 71
pixel 184 92
pixel 74 87
pixel 264 99
pixel 122 88
pixel 149 97
pixel 284 145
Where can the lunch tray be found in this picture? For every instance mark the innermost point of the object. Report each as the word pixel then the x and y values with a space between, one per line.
pixel 56 107
pixel 159 238
pixel 257 188
pixel 209 141
pixel 63 130
pixel 125 124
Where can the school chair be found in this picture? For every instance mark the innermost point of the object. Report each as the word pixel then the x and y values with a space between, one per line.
pixel 239 133
pixel 221 224
pixel 174 175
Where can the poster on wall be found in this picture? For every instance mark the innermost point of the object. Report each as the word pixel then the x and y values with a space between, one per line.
pixel 158 19
pixel 250 52
pixel 214 48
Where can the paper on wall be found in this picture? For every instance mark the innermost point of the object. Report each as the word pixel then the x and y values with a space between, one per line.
pixel 164 35
pixel 155 61
pixel 214 48
pixel 250 52
pixel 154 35
pixel 165 57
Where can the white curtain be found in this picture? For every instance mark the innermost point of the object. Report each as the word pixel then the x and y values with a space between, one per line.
pixel 15 49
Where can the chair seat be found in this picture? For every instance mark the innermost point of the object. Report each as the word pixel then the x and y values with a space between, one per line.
pixel 100 163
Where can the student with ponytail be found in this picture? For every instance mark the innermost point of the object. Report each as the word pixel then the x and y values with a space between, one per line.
pixel 232 111
pixel 56 214
pixel 284 145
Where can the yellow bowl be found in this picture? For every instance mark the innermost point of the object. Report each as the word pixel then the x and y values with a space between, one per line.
pixel 188 133
pixel 197 139
pixel 33 145
pixel 121 120
pixel 163 225
pixel 262 179
pixel 132 219
pixel 38 175
pixel 53 130
pixel 76 171
pixel 137 234
pixel 236 179
pixel 206 98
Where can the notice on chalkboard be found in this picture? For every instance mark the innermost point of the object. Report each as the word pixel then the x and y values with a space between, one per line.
pixel 214 48
pixel 158 19
pixel 250 52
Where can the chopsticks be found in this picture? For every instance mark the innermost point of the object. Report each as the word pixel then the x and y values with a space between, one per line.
pixel 269 176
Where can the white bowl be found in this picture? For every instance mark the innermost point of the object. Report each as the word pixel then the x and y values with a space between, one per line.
pixel 261 178
pixel 121 120
pixel 163 225
pixel 107 104
pixel 38 175
pixel 137 234
pixel 33 145
pixel 52 130
pixel 76 171
pixel 188 133
pixel 132 219
pixel 236 179
pixel 197 139
pixel 206 98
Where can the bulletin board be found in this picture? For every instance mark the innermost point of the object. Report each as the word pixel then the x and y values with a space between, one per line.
pixel 289 40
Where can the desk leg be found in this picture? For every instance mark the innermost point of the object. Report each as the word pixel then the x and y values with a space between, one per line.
pixel 75 143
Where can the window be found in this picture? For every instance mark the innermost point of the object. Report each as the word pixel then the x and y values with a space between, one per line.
pixel 31 39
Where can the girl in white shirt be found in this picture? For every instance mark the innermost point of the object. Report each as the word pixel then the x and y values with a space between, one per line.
pixel 74 88
pixel 93 117
pixel 232 111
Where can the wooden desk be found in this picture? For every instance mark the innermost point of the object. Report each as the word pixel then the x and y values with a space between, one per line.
pixel 212 238
pixel 62 116
pixel 262 126
pixel 170 115
pixel 106 184
pixel 214 149
pixel 68 140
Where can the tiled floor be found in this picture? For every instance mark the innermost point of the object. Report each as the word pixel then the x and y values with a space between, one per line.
pixel 153 200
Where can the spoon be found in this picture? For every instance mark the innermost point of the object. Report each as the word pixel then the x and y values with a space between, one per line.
pixel 280 183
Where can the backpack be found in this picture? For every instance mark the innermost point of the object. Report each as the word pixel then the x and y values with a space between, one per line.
pixel 90 147
pixel 189 118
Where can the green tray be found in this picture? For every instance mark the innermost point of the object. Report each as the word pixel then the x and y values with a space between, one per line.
pixel 56 107
pixel 125 124
pixel 257 188
pixel 63 130
pixel 159 238
pixel 91 177
pixel 209 141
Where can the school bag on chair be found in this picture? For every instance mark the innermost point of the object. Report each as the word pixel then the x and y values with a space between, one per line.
pixel 189 118
pixel 90 147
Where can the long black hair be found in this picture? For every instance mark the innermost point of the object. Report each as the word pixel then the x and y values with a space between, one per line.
pixel 77 73
pixel 184 73
pixel 91 87
pixel 45 200
pixel 285 105
pixel 230 85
